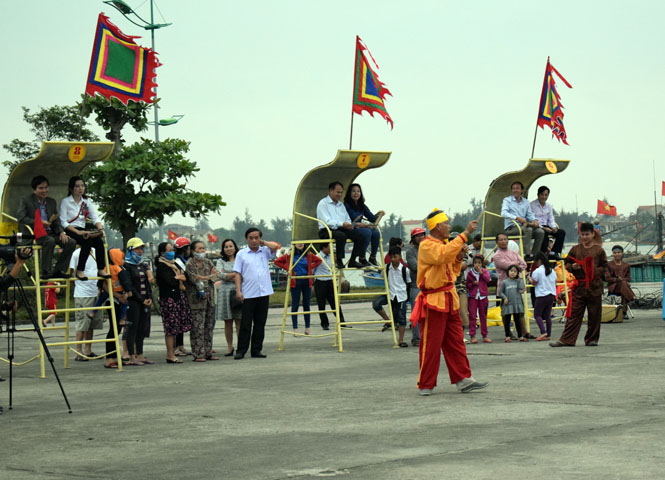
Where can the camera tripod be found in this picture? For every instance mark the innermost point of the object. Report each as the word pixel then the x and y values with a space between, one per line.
pixel 10 318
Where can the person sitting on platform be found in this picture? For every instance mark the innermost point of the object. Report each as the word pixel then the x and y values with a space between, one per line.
pixel 48 211
pixel 354 201
pixel 618 278
pixel 514 207
pixel 78 217
pixel 331 210
pixel 545 217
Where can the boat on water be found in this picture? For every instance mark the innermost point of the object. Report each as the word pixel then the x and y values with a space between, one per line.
pixel 373 279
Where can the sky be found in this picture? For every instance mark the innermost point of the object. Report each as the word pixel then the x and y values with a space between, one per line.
pixel 265 89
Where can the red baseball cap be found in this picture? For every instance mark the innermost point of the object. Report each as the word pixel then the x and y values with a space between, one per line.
pixel 417 231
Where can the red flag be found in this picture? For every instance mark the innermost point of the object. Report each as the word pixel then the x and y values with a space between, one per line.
pixel 663 192
pixel 119 67
pixel 212 238
pixel 606 209
pixel 551 109
pixel 172 235
pixel 369 92
pixel 38 227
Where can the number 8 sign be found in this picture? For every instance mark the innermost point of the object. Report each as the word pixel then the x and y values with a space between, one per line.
pixel 76 153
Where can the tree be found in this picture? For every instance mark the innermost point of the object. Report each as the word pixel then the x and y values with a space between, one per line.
pixel 392 227
pixel 240 226
pixel 145 182
pixel 48 124
pixel 281 229
pixel 112 115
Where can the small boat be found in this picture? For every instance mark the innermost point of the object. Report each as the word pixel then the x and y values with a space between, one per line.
pixel 373 279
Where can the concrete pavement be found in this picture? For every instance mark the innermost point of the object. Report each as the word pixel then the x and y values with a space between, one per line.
pixel 311 412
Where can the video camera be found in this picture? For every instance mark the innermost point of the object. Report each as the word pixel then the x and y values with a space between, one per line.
pixel 8 252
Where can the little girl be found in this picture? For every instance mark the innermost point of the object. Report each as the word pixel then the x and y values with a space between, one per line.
pixel 476 284
pixel 51 301
pixel 544 279
pixel 303 264
pixel 511 291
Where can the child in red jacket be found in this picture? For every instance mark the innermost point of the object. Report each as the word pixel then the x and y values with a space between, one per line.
pixel 303 264
pixel 476 284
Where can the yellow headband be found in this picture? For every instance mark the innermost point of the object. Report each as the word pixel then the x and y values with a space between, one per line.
pixel 436 219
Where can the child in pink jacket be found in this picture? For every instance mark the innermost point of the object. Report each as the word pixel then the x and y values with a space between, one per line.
pixel 476 284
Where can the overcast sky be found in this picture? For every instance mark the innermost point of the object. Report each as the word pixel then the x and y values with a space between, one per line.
pixel 266 88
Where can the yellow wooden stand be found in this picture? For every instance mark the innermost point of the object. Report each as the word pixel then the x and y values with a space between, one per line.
pixel 346 166
pixel 58 161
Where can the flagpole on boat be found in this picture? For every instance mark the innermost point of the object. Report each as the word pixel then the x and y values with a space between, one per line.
pixel 351 134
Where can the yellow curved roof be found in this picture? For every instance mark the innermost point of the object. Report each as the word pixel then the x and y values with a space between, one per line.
pixel 53 161
pixel 500 188
pixel 345 168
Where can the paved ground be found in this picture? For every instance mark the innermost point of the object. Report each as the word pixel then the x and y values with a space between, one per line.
pixel 312 412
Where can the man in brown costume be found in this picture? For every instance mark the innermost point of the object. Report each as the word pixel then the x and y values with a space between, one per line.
pixel 588 263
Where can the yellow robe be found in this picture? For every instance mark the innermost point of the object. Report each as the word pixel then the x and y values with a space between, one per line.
pixel 438 267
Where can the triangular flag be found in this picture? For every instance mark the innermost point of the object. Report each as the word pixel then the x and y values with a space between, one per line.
pixel 172 235
pixel 38 227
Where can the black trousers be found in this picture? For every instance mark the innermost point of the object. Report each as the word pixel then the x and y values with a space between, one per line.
pixel 253 324
pixel 340 235
pixel 558 237
pixel 88 244
pixel 517 318
pixel 110 347
pixel 135 327
pixel 48 244
pixel 323 289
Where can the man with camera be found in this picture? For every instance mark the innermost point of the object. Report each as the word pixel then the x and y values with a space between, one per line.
pixel 6 281
pixel 48 212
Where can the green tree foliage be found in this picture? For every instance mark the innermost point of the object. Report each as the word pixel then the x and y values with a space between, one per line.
pixel 48 124
pixel 145 182
pixel 392 227
pixel 112 115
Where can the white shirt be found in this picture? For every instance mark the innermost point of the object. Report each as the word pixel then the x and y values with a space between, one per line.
pixel 253 266
pixel 324 267
pixel 334 214
pixel 546 283
pixel 396 285
pixel 72 213
pixel 84 288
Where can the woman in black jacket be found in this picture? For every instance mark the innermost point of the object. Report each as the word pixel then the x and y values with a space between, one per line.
pixel 140 300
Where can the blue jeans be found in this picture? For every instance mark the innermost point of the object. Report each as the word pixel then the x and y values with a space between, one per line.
pixel 302 286
pixel 369 236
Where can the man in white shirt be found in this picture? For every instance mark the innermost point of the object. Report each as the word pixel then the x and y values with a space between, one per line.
pixel 332 211
pixel 518 209
pixel 545 217
pixel 253 289
pixel 85 294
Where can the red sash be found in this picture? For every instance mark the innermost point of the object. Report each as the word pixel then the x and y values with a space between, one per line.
pixel 587 265
pixel 418 312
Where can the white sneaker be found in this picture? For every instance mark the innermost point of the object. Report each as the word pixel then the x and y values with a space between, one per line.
pixel 470 384
pixel 425 392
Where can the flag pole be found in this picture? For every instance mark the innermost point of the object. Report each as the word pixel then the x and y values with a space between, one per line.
pixel 351 134
pixel 535 134
pixel 81 117
pixel 542 94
